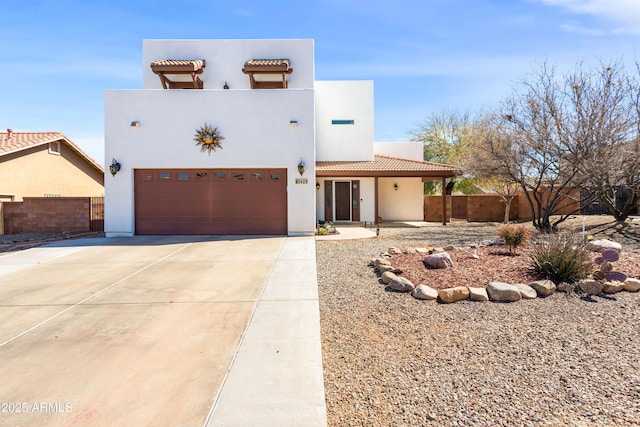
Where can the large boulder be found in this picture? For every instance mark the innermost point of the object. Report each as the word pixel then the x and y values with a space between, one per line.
pixel 383 268
pixel 526 291
pixel 632 285
pixel 440 260
pixel 591 287
pixel 425 292
pixel 543 288
pixel 478 294
pixel 503 292
pixel 401 284
pixel 381 261
pixel 387 276
pixel 450 295
pixel 602 245
pixel 612 287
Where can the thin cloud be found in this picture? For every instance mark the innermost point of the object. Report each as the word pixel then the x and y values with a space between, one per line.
pixel 623 14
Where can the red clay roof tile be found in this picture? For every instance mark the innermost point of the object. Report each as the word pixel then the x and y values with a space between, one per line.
pixel 387 166
pixel 11 142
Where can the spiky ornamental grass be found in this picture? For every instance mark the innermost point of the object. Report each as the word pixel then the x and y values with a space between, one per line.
pixel 562 258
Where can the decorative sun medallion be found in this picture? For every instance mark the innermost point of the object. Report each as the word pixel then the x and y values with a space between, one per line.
pixel 208 139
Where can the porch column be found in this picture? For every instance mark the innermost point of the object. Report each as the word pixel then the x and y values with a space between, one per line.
pixel 444 201
pixel 376 199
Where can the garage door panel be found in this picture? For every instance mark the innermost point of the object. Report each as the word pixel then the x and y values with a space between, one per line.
pixel 211 201
pixel 172 208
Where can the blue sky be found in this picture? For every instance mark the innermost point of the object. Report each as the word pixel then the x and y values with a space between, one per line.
pixel 425 56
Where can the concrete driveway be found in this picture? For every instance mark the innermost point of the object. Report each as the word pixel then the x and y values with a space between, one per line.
pixel 162 331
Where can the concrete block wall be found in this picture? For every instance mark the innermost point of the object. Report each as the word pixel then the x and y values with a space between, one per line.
pixel 479 208
pixel 433 208
pixel 489 208
pixel 47 214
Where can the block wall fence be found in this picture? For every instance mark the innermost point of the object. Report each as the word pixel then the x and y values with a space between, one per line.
pixel 486 207
pixel 48 214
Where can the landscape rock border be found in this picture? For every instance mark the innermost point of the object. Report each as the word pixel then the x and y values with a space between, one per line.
pixel 494 291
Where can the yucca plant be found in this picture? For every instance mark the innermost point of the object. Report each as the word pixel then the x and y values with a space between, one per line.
pixel 562 258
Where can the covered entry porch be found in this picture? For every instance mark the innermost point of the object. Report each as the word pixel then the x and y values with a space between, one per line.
pixel 387 188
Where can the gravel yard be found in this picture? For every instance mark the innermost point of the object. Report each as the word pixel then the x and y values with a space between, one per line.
pixel 392 360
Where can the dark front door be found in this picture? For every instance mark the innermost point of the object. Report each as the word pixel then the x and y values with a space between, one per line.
pixel 343 201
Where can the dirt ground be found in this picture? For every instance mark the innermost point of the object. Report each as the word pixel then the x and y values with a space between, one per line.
pixel 17 242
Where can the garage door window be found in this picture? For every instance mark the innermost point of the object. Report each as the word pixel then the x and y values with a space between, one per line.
pixel 221 175
pixel 164 176
pixel 238 176
pixel 202 176
pixel 275 177
pixel 183 176
pixel 257 176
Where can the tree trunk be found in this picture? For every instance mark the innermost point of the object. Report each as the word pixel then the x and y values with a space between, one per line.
pixel 507 208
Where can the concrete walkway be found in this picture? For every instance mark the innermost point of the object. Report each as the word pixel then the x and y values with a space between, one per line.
pixel 162 331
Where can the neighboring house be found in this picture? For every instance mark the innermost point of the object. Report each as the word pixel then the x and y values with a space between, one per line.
pixel 252 144
pixel 46 164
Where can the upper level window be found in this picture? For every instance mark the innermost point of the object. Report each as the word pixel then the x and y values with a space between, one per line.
pixel 54 147
pixel 268 73
pixel 342 122
pixel 179 73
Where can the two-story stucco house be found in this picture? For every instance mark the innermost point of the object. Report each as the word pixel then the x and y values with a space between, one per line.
pixel 237 137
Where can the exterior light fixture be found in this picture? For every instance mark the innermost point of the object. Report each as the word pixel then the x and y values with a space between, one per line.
pixel 395 186
pixel 226 85
pixel 135 124
pixel 114 167
pixel 301 167
pixel 293 123
pixel 317 185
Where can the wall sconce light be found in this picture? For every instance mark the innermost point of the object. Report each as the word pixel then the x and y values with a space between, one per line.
pixel 293 123
pixel 317 185
pixel 226 85
pixel 395 186
pixel 114 167
pixel 301 167
pixel 135 124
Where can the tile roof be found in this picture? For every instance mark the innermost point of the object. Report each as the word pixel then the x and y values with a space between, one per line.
pixel 182 64
pixel 386 166
pixel 268 62
pixel 17 141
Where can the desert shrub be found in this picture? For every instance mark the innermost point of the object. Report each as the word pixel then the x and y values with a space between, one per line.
pixel 514 236
pixel 562 259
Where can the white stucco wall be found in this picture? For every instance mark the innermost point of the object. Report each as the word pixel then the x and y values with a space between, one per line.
pixel 403 150
pixel 405 204
pixel 367 198
pixel 255 124
pixel 225 59
pixel 344 100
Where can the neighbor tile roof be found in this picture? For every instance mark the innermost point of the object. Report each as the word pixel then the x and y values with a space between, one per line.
pixel 386 166
pixel 22 140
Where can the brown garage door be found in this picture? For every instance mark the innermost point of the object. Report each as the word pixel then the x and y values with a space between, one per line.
pixel 211 201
